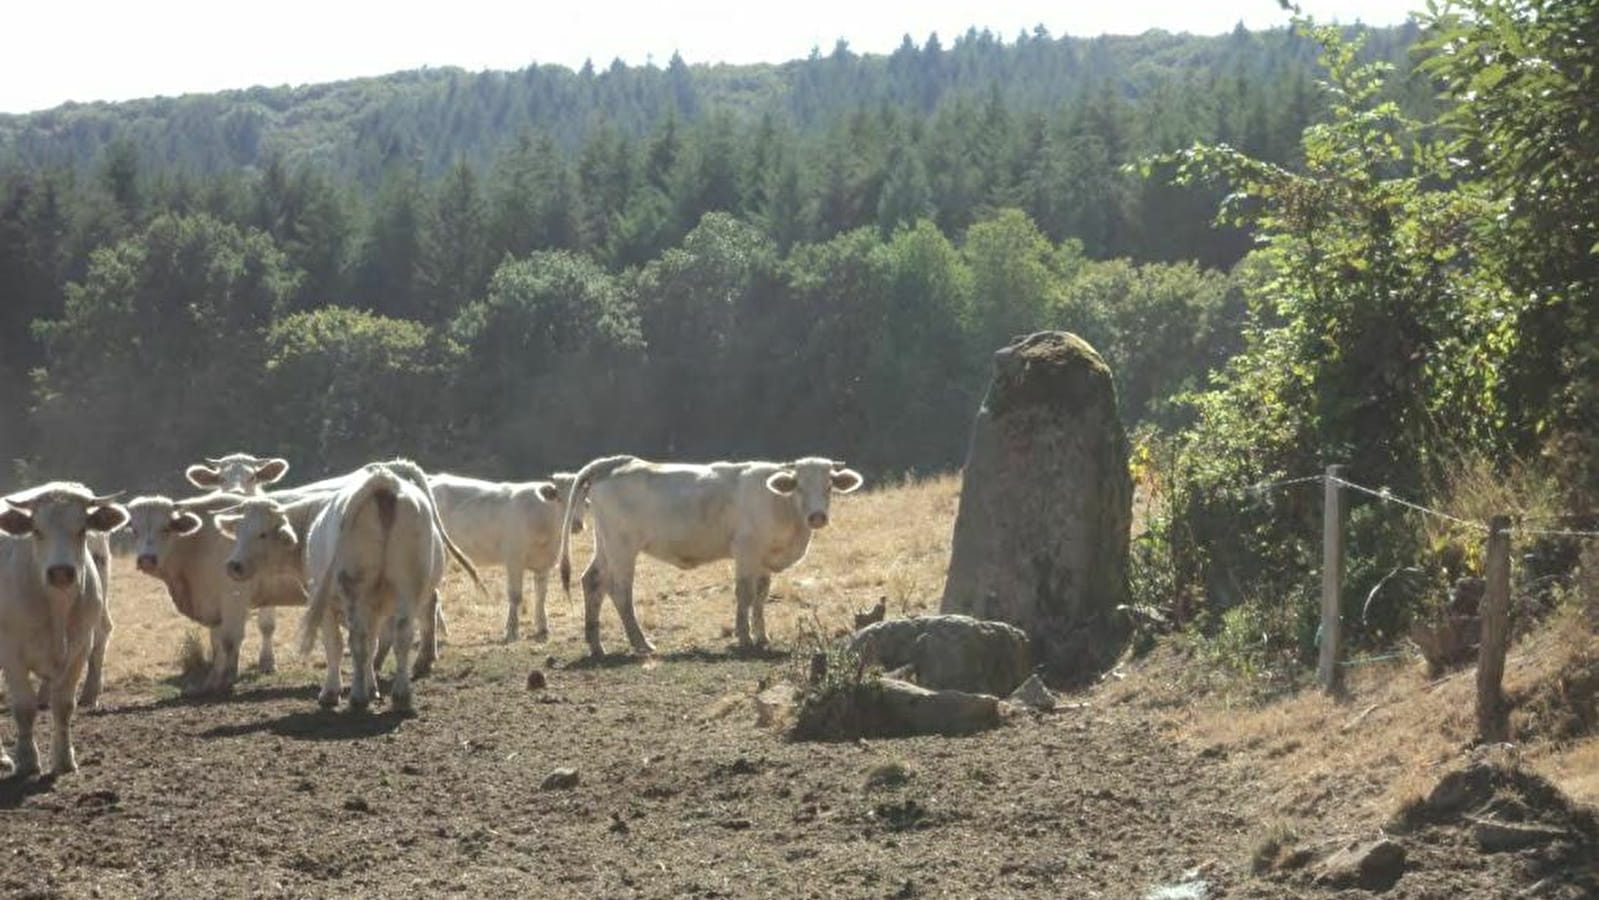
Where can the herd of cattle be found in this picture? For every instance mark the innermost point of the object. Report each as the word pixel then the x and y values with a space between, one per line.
pixel 365 553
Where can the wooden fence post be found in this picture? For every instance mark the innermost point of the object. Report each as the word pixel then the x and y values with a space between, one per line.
pixel 1329 673
pixel 1493 724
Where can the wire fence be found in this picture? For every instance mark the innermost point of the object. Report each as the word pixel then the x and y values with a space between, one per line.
pixel 1388 496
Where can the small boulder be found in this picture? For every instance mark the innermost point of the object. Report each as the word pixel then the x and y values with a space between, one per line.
pixel 950 652
pixel 1374 866
pixel 560 780
pixel 1033 693
pixel 1493 836
pixel 536 680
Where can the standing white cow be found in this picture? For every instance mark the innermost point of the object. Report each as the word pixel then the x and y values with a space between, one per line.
pixel 177 542
pixel 512 524
pixel 249 475
pixel 759 514
pixel 379 544
pixel 51 606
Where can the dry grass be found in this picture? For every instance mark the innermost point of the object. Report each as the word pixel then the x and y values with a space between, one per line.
pixel 1315 761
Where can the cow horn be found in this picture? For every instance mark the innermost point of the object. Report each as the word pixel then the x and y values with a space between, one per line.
pixel 838 465
pixel 213 463
pixel 105 498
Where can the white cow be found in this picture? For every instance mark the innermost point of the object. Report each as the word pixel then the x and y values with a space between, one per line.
pixel 237 473
pixel 51 607
pixel 177 542
pixel 759 514
pixel 249 475
pixel 377 543
pixel 512 524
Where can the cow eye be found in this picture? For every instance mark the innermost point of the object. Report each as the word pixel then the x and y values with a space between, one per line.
pixel 265 535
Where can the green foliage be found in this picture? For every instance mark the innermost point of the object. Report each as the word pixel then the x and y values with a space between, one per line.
pixel 352 382
pixel 159 344
pixel 1524 133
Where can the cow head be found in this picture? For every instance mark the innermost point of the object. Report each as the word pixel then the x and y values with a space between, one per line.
pixel 58 517
pixel 263 539
pixel 156 522
pixel 811 482
pixel 563 481
pixel 237 473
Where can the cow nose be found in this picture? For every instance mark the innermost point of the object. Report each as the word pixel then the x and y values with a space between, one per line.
pixel 146 562
pixel 236 570
pixel 61 576
pixel 577 525
pixel 817 520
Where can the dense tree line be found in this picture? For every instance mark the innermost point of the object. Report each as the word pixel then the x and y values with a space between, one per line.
pixel 726 259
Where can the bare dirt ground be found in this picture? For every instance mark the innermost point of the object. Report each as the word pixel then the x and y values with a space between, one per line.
pixel 681 793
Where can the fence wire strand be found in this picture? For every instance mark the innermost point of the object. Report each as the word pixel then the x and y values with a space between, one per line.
pixel 1388 497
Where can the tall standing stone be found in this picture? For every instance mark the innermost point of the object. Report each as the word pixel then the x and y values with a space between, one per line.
pixel 1041 538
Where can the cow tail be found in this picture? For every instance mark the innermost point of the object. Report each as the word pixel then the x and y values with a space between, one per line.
pixel 586 477
pixel 381 488
pixel 413 473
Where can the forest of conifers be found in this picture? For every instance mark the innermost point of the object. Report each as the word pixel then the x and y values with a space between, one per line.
pixel 1294 247
pixel 515 271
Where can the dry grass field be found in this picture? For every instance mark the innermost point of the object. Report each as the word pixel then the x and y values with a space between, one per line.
pixel 1133 783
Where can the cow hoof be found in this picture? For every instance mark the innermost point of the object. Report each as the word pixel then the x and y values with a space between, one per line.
pixel 360 706
pixel 540 636
pixel 402 704
pixel 422 668
pixel 327 702
pixel 267 667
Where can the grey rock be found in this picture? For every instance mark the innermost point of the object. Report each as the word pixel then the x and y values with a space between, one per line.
pixel 1034 693
pixel 559 780
pixel 949 652
pixel 1041 538
pixel 906 708
pixel 1493 836
pixel 1374 866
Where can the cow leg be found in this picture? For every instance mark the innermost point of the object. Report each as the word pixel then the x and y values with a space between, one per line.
pixel 622 598
pixel 363 679
pixel 405 609
pixel 593 593
pixel 217 673
pixel 513 598
pixel 226 640
pixel 94 677
pixel 333 652
pixel 266 620
pixel 541 589
pixel 428 653
pixel 744 595
pixel 63 704
pixel 385 639
pixel 24 710
pixel 763 586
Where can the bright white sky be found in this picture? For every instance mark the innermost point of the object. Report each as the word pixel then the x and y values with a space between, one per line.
pixel 59 50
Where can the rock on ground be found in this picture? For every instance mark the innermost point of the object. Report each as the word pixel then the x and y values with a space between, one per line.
pixel 949 652
pixel 1041 537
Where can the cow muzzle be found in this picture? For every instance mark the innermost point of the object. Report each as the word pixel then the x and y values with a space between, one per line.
pixel 237 570
pixel 817 520
pixel 61 576
pixel 147 563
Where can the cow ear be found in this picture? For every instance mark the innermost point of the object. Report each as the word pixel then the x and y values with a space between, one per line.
pixel 185 522
pixel 549 492
pixel 846 480
pixel 109 517
pixel 16 522
pixel 783 483
pixel 225 524
pixel 271 471
pixel 202 476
